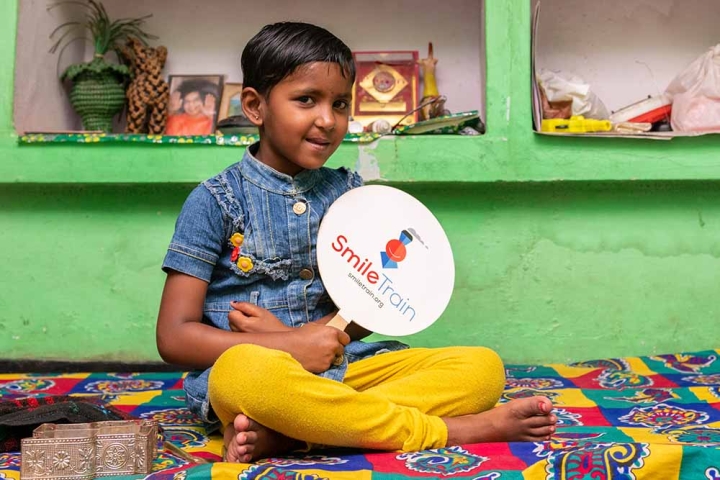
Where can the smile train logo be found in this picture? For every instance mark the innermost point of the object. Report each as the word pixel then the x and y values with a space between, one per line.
pixel 395 250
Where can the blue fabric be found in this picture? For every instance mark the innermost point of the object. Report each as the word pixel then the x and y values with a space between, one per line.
pixel 257 201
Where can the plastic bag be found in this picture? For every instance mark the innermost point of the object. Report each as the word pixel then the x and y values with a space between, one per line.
pixel 563 87
pixel 695 93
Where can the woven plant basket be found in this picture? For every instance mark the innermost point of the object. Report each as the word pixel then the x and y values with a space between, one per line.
pixel 98 92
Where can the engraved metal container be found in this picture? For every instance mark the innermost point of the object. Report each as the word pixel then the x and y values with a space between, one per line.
pixel 87 450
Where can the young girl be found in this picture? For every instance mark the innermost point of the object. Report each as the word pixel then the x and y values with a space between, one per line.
pixel 244 307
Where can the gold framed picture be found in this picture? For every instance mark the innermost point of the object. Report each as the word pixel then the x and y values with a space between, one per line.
pixel 386 87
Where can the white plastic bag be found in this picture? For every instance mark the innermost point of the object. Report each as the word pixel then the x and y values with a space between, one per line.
pixel 695 93
pixel 560 86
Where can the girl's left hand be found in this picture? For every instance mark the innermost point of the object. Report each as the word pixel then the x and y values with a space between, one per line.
pixel 248 318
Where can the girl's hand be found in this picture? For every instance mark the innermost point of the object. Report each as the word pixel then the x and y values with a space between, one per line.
pixel 248 318
pixel 317 346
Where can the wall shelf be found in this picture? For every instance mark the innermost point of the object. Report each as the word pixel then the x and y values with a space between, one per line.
pixel 397 159
pixel 148 162
pixel 509 151
pixel 220 140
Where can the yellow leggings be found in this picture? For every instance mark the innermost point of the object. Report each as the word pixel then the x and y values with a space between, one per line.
pixel 391 401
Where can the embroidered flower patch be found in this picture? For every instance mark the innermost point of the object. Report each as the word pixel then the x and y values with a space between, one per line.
pixel 245 264
pixel 237 239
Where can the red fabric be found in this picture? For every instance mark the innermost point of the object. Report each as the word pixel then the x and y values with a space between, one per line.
pixel 184 124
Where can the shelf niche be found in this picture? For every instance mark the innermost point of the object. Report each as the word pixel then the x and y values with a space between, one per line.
pixel 208 38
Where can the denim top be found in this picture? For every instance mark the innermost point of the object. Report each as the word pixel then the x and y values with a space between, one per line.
pixel 278 216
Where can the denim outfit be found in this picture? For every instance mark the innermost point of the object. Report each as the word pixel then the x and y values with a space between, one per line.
pixel 279 217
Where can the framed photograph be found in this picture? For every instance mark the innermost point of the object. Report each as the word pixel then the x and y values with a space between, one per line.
pixel 193 106
pixel 386 87
pixel 231 104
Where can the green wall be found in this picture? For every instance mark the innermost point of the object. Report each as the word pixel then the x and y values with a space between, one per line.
pixel 566 248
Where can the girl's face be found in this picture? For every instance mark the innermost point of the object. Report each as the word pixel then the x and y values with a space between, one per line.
pixel 304 118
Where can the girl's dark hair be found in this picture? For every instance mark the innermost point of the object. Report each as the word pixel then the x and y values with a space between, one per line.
pixel 279 49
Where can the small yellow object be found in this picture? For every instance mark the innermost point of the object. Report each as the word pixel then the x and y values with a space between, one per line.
pixel 237 239
pixel 578 124
pixel 245 264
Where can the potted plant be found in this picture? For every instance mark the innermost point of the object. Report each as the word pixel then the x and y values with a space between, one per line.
pixel 98 87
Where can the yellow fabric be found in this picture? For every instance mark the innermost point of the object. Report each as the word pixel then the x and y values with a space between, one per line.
pixel 391 401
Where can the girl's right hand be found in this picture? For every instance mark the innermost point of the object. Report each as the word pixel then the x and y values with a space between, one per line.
pixel 316 346
pixel 249 318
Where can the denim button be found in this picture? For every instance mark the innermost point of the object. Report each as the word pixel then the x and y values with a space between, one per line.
pixel 306 274
pixel 299 208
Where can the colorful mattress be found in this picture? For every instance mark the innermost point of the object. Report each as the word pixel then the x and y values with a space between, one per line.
pixel 624 418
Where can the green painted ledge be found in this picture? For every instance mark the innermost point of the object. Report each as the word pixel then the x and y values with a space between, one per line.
pixel 437 158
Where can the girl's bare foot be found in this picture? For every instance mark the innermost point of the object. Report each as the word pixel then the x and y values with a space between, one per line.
pixel 246 440
pixel 520 420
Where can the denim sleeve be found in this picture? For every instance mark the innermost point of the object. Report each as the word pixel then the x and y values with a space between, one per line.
pixel 354 179
pixel 198 238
